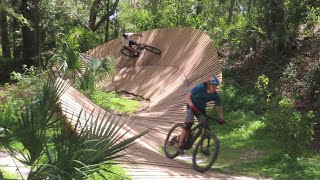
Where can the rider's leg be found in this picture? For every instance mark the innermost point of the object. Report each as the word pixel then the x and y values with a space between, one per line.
pixel 203 121
pixel 184 133
pixel 188 122
pixel 129 48
pixel 131 43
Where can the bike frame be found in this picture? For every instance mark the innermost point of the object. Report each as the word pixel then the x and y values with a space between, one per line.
pixel 201 132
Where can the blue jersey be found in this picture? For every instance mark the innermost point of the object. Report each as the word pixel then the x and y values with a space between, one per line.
pixel 200 97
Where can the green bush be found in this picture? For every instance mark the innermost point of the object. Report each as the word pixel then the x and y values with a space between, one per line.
pixel 314 84
pixel 14 95
pixel 8 112
pixel 237 98
pixel 53 150
pixel 294 129
pixel 111 101
pixel 82 39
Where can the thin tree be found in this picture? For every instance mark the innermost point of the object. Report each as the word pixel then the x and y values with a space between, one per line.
pixel 31 33
pixel 5 43
pixel 107 23
pixel 231 9
pixel 96 8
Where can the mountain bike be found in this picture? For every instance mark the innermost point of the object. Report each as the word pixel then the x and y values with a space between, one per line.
pixel 139 48
pixel 201 142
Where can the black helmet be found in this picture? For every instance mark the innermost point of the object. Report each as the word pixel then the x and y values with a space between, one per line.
pixel 124 35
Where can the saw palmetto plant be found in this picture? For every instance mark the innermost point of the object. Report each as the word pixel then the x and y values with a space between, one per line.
pixel 55 148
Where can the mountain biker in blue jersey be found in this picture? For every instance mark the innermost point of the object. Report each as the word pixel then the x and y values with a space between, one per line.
pixel 197 100
pixel 127 43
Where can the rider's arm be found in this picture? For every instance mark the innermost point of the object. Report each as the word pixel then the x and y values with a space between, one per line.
pixel 138 34
pixel 219 112
pixel 135 34
pixel 125 44
pixel 187 96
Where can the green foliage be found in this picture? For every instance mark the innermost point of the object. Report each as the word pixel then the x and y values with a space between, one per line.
pixel 113 102
pixel 68 61
pixel 8 109
pixel 117 173
pixel 133 19
pixel 293 128
pixel 82 39
pixel 265 139
pixel 87 80
pixel 14 95
pixel 245 36
pixel 170 13
pixel 251 146
pixel 87 84
pixel 262 85
pixel 106 72
pixel 109 65
pixel 28 76
pixel 7 176
pixel 279 166
pixel 313 82
pixel 98 71
pixel 54 149
pixel 238 98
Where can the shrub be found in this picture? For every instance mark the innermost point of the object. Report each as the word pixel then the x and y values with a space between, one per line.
pixel 294 129
pixel 237 98
pixel 82 39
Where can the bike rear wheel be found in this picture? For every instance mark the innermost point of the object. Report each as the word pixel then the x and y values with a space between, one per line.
pixel 172 141
pixel 206 152
pixel 152 49
pixel 126 52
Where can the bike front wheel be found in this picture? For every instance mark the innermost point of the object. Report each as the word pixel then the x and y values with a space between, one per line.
pixel 126 52
pixel 152 49
pixel 206 152
pixel 172 141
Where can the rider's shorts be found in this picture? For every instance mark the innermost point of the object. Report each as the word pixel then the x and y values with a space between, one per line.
pixel 132 43
pixel 190 115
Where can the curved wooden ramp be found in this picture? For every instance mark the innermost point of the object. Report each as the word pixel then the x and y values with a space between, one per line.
pixel 188 58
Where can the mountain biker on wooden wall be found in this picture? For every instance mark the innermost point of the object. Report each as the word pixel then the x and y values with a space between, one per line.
pixel 127 42
pixel 197 100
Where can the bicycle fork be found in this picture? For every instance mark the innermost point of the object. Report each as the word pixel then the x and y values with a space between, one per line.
pixel 205 150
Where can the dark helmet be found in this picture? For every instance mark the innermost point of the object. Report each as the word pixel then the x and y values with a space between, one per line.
pixel 213 80
pixel 125 35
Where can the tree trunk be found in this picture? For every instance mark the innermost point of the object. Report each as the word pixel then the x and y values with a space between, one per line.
pixel 5 43
pixel 274 14
pixel 103 19
pixel 31 37
pixel 249 6
pixel 93 13
pixel 274 22
pixel 107 23
pixel 232 4
pixel 199 7
pixel 116 28
pixel 15 27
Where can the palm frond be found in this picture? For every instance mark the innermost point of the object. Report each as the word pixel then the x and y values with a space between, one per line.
pixel 56 148
pixel 101 146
